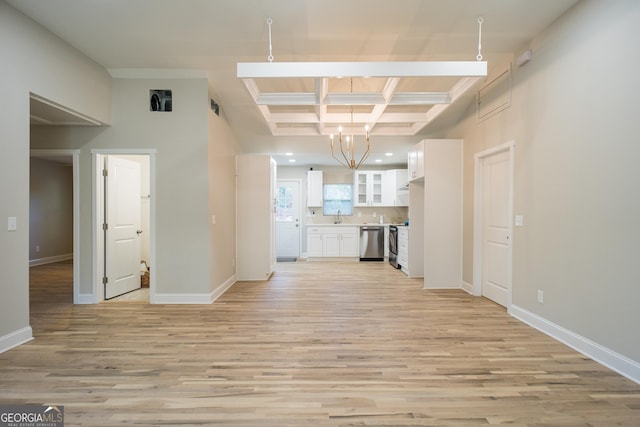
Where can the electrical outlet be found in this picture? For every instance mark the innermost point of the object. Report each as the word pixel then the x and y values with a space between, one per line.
pixel 540 296
pixel 37 248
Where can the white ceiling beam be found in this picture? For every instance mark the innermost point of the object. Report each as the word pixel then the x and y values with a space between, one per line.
pixel 322 88
pixel 420 98
pixel 401 117
pixel 345 118
pixel 294 131
pixel 287 99
pixel 355 98
pixel 253 89
pixel 294 118
pixel 248 70
pixel 388 91
pixel 393 131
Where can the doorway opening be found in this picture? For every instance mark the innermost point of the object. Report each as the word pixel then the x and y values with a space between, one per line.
pixel 123 224
pixel 493 224
pixel 54 223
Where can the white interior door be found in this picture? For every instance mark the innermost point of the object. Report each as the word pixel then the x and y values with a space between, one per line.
pixel 496 228
pixel 288 219
pixel 122 216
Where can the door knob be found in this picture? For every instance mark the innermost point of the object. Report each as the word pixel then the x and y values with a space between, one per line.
pixel 139 232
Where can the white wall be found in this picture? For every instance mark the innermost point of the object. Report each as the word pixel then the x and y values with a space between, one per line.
pixel 50 211
pixel 195 178
pixel 222 200
pixel 574 120
pixel 33 60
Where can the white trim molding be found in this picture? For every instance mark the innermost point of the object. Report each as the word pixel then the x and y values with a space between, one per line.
pixel 97 157
pixel 603 355
pixel 50 259
pixel 467 287
pixel 194 298
pixel 16 338
pixel 224 287
pixel 85 299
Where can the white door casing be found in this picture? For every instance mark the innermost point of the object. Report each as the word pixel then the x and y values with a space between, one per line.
pixel 122 201
pixel 288 216
pixel 493 213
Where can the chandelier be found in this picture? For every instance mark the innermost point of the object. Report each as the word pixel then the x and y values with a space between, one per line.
pixel 347 145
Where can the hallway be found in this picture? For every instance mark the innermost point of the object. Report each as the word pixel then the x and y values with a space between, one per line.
pixel 320 344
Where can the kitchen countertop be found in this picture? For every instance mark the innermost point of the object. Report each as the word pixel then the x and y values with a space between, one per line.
pixel 355 225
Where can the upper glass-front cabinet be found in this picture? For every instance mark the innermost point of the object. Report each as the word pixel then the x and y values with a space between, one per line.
pixel 368 187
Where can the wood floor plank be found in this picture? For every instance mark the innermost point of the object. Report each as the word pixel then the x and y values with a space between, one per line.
pixel 320 344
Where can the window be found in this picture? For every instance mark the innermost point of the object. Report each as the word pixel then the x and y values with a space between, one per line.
pixel 284 204
pixel 337 197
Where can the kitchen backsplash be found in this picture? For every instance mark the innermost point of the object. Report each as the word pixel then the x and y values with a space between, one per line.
pixel 366 215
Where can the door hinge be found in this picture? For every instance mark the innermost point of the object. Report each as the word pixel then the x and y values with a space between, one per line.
pixel 105 172
pixel 105 226
pixel 105 280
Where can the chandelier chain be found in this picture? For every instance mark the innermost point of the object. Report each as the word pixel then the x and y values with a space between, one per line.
pixel 480 21
pixel 270 57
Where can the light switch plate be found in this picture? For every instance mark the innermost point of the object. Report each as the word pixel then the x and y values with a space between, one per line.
pixel 519 221
pixel 12 223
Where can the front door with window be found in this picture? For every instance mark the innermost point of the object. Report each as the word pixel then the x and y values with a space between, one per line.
pixel 288 219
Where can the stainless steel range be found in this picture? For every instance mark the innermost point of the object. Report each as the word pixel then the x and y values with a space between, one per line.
pixel 393 246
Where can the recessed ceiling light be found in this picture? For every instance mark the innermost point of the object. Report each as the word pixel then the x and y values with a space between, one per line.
pixel 292 160
pixel 378 161
pixel 288 154
pixel 388 154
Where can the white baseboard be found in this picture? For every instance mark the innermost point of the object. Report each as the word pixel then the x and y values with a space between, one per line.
pixel 50 260
pixel 223 288
pixel 467 287
pixel 195 298
pixel 15 339
pixel 85 299
pixel 607 357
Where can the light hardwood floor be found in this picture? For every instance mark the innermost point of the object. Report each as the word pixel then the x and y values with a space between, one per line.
pixel 320 344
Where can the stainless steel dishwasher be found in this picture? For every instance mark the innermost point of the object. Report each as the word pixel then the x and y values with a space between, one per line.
pixel 371 243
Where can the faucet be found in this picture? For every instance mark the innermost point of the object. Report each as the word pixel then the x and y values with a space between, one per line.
pixel 338 219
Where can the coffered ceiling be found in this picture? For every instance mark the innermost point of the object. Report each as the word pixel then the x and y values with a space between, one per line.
pixel 133 37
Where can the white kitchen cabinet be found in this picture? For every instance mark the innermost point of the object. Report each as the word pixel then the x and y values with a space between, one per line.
pixel 314 244
pixel 403 249
pixel 368 188
pixel 349 243
pixel 416 162
pixel 435 215
pixel 314 189
pixel 386 241
pixel 396 190
pixel 332 242
pixel 256 243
